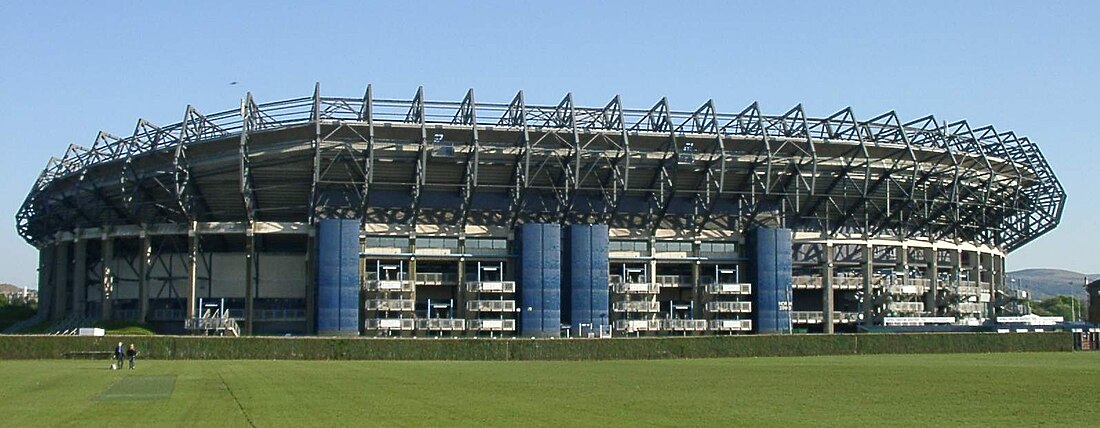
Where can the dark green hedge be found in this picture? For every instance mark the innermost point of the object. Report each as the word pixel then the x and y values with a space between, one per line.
pixel 327 348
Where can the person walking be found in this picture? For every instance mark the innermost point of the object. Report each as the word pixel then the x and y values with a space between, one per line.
pixel 131 354
pixel 118 356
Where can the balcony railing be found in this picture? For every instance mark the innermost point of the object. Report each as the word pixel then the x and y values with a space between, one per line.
pixel 730 325
pixel 493 325
pixel 391 324
pixel 641 306
pixel 729 307
pixel 818 317
pixel 636 288
pixel 435 278
pixel 905 307
pixel 441 324
pixel 390 305
pixel 631 326
pixel 672 281
pixel 730 289
pixel 912 289
pixel 389 285
pixel 684 325
pixel 491 286
pixel 810 282
pixel 491 305
pixel 970 308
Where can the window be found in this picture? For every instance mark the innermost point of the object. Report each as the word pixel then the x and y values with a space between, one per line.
pixel 718 248
pixel 635 246
pixel 387 242
pixel 673 247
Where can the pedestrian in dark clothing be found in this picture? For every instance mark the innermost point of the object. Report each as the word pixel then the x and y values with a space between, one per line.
pixel 118 355
pixel 131 353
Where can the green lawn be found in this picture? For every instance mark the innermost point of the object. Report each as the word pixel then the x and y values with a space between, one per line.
pixel 1060 389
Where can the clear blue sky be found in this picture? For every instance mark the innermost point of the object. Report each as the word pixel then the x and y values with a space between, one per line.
pixel 70 70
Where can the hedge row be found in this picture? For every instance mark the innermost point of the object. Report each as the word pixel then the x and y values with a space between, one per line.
pixel 327 348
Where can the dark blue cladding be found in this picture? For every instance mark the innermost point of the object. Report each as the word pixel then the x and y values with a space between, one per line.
pixel 773 279
pixel 540 279
pixel 587 279
pixel 338 276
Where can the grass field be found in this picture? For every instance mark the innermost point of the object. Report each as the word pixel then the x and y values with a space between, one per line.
pixel 1060 389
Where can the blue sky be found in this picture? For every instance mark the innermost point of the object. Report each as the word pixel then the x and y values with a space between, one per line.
pixel 71 69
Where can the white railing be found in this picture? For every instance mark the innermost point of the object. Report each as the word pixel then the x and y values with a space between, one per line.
pixel 730 325
pixel 441 324
pixel 806 282
pixel 491 286
pixel 493 325
pixel 907 289
pixel 729 307
pixel 641 306
pixel 389 285
pixel 970 308
pixel 847 283
pixel 741 288
pixel 636 288
pixel 390 305
pixel 968 290
pixel 684 325
pixel 491 305
pixel 671 281
pixel 906 307
pixel 391 324
pixel 916 321
pixel 435 278
pixel 818 317
pixel 631 326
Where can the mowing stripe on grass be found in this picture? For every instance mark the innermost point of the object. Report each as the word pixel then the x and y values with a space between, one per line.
pixel 145 388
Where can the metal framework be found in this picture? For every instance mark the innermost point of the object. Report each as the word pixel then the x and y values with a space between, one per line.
pixel 468 163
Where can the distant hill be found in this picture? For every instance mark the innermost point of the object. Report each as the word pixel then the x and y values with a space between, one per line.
pixel 1045 283
pixel 9 288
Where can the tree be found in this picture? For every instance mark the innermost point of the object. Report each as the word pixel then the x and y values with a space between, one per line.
pixel 1059 306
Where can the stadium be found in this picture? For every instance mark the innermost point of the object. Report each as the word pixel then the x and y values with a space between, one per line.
pixel 408 217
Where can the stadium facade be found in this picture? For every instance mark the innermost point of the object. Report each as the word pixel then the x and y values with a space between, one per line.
pixel 370 216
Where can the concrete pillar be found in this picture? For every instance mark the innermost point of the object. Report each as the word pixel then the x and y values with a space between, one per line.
pixel 107 287
pixel 80 277
pixel 145 259
pixel 45 279
pixel 868 269
pixel 933 273
pixel 60 280
pixel 192 269
pixel 460 295
pixel 827 295
pixel 698 294
pixel 249 277
pixel 901 267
